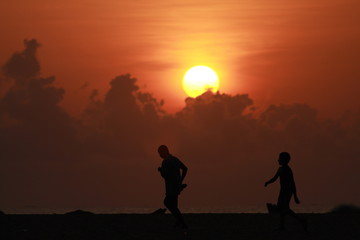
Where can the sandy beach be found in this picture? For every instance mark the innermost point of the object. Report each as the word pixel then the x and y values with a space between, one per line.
pixel 201 226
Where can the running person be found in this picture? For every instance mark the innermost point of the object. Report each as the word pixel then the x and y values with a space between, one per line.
pixel 170 171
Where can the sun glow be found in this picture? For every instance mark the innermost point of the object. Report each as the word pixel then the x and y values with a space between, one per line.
pixel 200 79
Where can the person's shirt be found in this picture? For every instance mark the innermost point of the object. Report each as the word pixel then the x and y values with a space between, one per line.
pixel 170 171
pixel 286 178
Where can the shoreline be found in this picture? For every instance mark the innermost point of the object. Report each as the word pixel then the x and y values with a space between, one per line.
pixel 248 209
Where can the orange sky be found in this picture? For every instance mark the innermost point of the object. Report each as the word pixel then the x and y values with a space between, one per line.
pixel 277 51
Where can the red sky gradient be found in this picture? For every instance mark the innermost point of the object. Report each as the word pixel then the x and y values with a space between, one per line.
pixel 276 51
pixel 289 81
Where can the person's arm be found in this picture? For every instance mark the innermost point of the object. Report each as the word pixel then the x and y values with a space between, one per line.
pixel 162 170
pixel 295 194
pixel 184 170
pixel 274 178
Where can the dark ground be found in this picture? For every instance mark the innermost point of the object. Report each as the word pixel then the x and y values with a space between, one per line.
pixel 202 226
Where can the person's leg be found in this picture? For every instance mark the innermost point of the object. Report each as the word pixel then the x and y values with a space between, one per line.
pixel 171 202
pixel 302 221
pixel 167 202
pixel 281 205
pixel 282 222
pixel 284 200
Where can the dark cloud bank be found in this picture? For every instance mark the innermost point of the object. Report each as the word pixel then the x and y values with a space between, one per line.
pixel 107 157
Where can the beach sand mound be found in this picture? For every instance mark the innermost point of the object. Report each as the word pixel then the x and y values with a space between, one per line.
pixel 345 209
pixel 79 213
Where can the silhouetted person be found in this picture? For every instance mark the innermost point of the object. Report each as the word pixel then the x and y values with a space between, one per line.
pixel 173 171
pixel 287 190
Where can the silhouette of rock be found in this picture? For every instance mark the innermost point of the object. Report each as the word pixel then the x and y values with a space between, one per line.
pixel 79 213
pixel 159 211
pixel 1 213
pixel 345 209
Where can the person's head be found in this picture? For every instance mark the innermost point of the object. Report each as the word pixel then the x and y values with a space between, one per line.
pixel 163 151
pixel 284 158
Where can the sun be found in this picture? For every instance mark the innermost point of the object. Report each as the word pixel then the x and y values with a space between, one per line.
pixel 200 79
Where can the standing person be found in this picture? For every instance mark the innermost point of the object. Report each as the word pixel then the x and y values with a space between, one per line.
pixel 170 171
pixel 287 190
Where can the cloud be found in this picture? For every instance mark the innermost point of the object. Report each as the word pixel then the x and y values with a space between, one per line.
pixel 107 156
pixel 37 127
pixel 24 65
